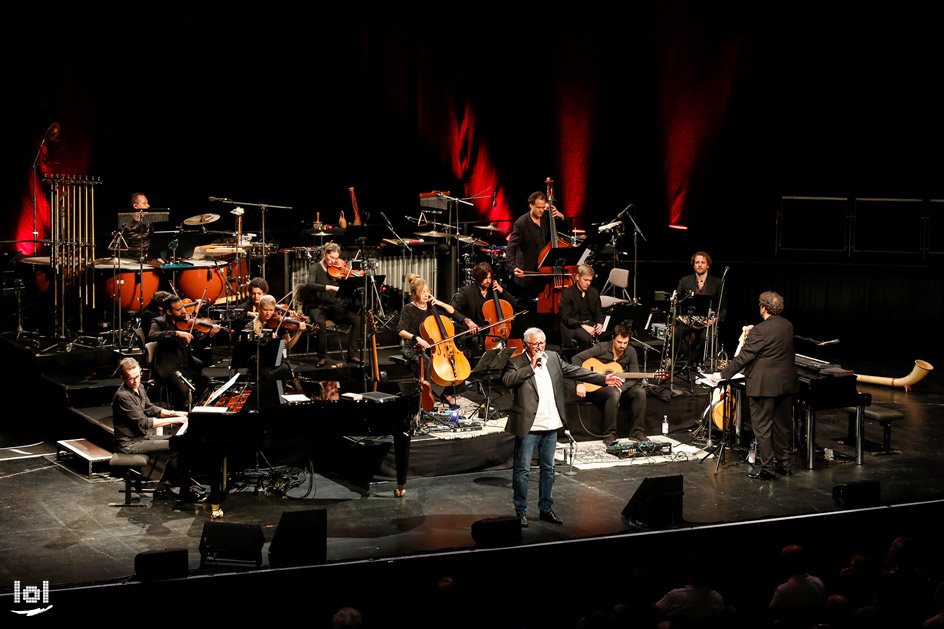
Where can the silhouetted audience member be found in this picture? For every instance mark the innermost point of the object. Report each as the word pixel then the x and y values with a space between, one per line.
pixel 857 580
pixel 800 601
pixel 889 608
pixel 696 604
pixel 937 621
pixel 347 618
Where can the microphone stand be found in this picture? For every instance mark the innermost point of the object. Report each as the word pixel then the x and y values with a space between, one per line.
pixel 636 233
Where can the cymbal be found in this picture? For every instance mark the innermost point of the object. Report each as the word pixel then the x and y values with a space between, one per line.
pixel 469 240
pixel 491 228
pixel 201 219
pixel 578 231
pixel 114 261
pixel 311 232
pixel 433 234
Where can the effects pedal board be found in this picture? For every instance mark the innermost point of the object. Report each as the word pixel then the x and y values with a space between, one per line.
pixel 628 448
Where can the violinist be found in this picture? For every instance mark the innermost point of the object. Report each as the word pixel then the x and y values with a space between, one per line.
pixel 257 288
pixel 530 234
pixel 271 325
pixel 325 305
pixel 175 359
pixel 412 317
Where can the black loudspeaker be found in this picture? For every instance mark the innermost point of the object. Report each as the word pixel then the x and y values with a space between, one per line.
pixel 495 532
pixel 862 493
pixel 170 563
pixel 301 539
pixel 657 503
pixel 226 543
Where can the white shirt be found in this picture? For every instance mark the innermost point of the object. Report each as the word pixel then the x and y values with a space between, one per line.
pixel 547 417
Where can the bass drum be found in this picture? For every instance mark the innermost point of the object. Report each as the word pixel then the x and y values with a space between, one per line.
pixel 123 288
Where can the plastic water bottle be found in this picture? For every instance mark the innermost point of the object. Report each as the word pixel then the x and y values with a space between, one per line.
pixel 665 424
pixel 752 455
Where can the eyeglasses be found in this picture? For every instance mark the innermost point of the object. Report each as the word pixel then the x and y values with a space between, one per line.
pixel 537 344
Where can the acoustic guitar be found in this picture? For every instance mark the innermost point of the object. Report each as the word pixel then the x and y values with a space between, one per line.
pixel 615 368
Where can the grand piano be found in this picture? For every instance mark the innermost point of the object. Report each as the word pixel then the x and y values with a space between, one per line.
pixel 251 416
pixel 825 386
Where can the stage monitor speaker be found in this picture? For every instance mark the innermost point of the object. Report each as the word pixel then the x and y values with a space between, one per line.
pixel 862 493
pixel 170 563
pixel 657 503
pixel 496 532
pixel 233 544
pixel 301 539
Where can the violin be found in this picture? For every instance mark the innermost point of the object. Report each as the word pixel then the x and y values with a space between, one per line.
pixel 289 324
pixel 448 365
pixel 291 314
pixel 499 313
pixel 193 324
pixel 341 270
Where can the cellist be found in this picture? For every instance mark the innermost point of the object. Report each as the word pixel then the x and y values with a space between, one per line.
pixel 412 317
pixel 468 300
pixel 529 236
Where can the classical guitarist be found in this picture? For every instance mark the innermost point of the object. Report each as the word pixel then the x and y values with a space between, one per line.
pixel 630 396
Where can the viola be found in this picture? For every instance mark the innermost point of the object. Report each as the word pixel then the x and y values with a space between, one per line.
pixel 448 365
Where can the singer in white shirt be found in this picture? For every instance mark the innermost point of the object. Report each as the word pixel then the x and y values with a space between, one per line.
pixel 536 378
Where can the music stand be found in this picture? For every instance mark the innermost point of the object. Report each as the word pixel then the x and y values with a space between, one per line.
pixel 563 256
pixel 491 361
pixel 727 425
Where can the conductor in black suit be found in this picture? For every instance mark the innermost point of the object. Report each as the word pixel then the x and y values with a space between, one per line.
pixel 536 378
pixel 767 359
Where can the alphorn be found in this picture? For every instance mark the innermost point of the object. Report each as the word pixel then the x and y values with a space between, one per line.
pixel 921 369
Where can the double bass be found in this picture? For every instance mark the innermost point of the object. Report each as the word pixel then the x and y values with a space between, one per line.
pixel 558 277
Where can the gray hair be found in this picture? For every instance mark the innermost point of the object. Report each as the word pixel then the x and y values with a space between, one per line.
pixel 530 332
pixel 772 301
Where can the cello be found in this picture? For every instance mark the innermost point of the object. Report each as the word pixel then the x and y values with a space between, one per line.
pixel 499 313
pixel 448 365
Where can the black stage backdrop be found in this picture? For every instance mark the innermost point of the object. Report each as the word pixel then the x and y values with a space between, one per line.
pixel 702 117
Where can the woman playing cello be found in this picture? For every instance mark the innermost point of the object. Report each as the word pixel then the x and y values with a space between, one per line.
pixel 412 317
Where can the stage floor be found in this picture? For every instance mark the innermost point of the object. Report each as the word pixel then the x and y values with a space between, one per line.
pixel 56 525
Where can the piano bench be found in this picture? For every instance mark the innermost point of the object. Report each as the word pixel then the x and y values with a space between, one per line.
pixel 130 465
pixel 885 417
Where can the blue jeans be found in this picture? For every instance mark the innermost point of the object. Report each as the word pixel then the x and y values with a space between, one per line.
pixel 546 442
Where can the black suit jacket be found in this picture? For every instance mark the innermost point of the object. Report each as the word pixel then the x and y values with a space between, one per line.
pixel 767 359
pixel 519 377
pixel 172 352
